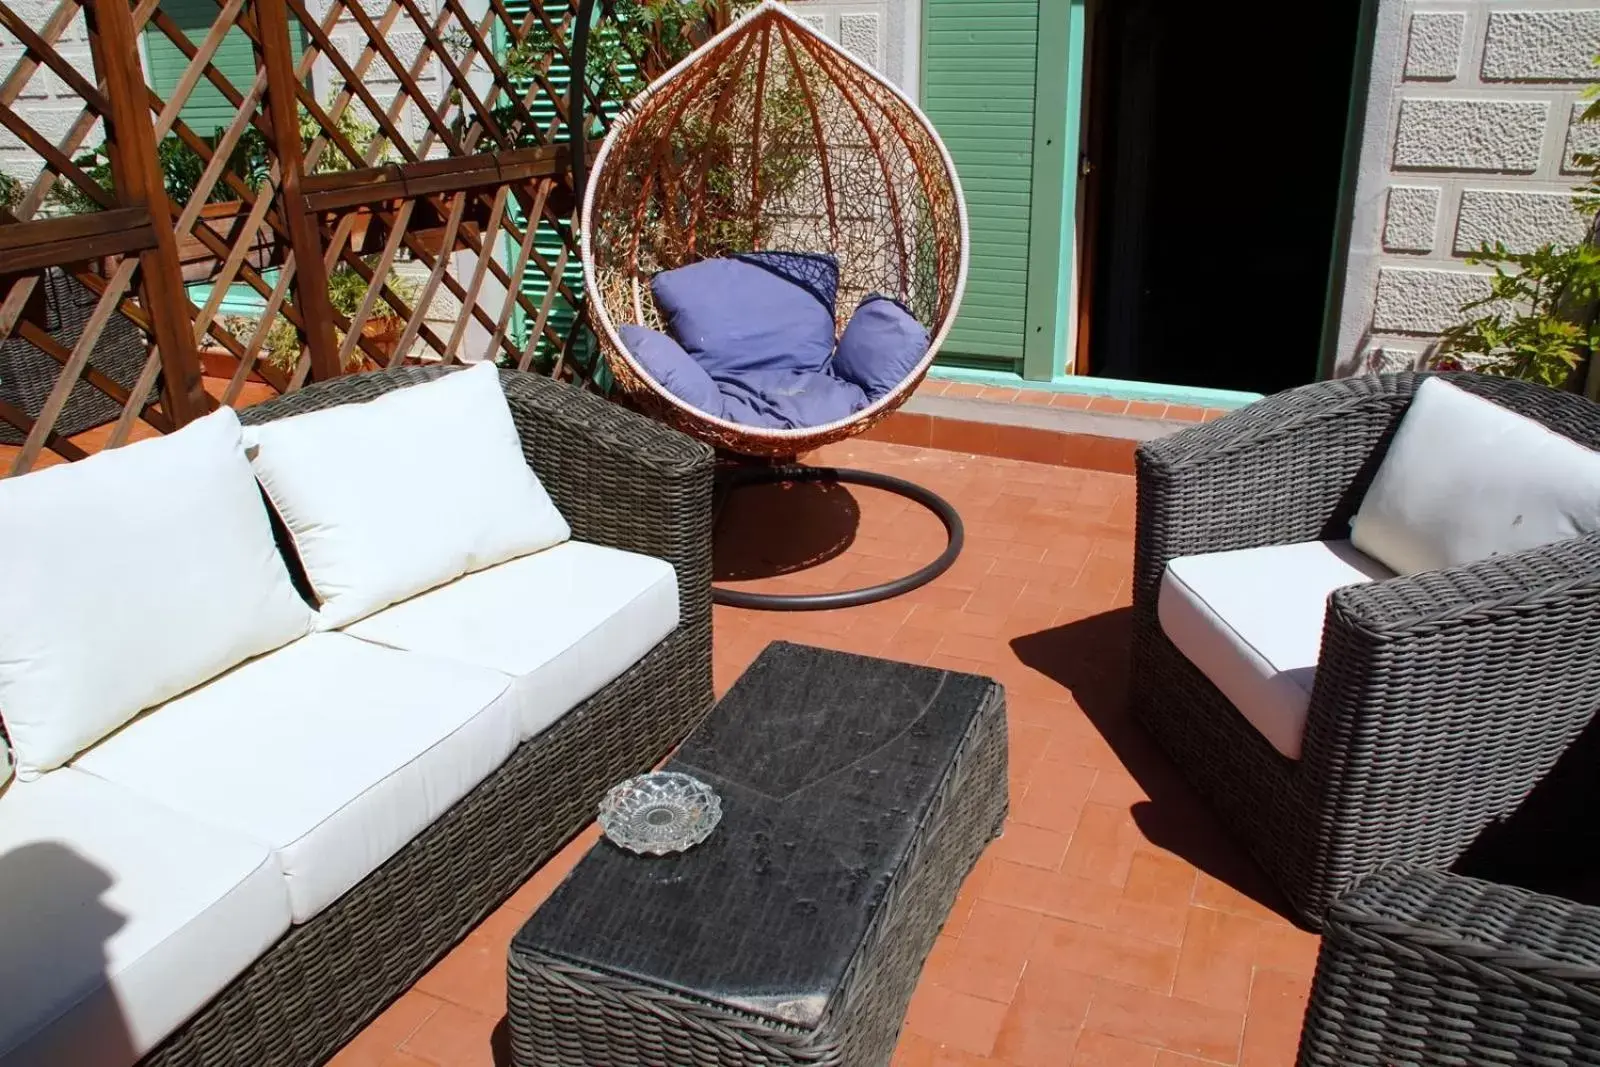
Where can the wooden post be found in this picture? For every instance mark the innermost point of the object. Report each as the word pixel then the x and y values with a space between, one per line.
pixel 136 173
pixel 283 113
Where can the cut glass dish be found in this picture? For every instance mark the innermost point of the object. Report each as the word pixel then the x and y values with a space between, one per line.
pixel 660 813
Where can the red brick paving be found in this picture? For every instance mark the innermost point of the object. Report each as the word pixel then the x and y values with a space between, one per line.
pixel 1113 923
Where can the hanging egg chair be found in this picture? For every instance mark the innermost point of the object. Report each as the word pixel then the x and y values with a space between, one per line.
pixel 770 140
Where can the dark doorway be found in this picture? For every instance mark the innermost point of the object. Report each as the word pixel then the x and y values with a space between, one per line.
pixel 1216 142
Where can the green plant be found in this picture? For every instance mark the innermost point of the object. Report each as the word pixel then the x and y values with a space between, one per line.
pixel 11 191
pixel 346 289
pixel 1540 320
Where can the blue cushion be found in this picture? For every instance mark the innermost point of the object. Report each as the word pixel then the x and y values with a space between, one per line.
pixel 755 311
pixel 788 399
pixel 880 347
pixel 665 360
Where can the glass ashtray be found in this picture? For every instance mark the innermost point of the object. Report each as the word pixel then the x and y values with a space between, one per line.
pixel 660 813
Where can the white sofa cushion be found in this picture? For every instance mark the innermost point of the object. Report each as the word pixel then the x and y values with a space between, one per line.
pixel 331 751
pixel 129 577
pixel 1251 621
pixel 562 622
pixel 119 919
pixel 448 491
pixel 1466 479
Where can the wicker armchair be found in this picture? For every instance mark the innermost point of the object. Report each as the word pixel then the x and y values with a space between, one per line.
pixel 1439 700
pixel 1422 967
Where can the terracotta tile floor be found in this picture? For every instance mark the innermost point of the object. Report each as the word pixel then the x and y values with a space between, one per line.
pixel 1113 923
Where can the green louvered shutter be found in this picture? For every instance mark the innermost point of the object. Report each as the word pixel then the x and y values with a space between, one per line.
pixel 207 110
pixel 548 242
pixel 978 88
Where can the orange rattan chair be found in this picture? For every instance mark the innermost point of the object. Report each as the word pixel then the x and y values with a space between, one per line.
pixel 770 136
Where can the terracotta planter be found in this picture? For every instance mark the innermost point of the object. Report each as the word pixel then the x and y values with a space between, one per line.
pixel 383 335
pixel 227 219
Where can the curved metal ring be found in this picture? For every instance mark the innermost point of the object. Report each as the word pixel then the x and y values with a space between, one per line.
pixel 851 598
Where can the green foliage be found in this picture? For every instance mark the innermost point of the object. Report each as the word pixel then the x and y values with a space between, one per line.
pixel 346 290
pixel 250 161
pixel 1540 321
pixel 11 191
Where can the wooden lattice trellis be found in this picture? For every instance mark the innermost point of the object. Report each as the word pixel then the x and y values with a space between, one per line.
pixel 471 166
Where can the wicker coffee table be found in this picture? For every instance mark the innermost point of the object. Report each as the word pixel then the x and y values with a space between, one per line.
pixel 857 794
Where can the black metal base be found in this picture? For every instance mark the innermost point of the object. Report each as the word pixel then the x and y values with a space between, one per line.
pixel 851 598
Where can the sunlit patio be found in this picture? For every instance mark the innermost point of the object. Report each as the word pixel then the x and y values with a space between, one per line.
pixel 1113 923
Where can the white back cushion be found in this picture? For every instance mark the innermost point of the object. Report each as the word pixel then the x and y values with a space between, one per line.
pixel 129 577
pixel 1466 479
pixel 405 492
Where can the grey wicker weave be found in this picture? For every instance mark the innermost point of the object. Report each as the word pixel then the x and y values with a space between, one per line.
pixel 857 794
pixel 1440 699
pixel 27 375
pixel 1422 967
pixel 620 480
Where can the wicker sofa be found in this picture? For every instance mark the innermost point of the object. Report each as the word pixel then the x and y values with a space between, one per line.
pixel 1423 967
pixel 1438 699
pixel 622 482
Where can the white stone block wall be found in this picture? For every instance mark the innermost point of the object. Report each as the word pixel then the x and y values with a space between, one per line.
pixel 884 34
pixel 1469 133
pixel 46 103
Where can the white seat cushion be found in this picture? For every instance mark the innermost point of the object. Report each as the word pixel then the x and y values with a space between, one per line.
pixel 331 751
pixel 119 919
pixel 562 622
pixel 83 645
pixel 1466 479
pixel 452 494
pixel 1251 621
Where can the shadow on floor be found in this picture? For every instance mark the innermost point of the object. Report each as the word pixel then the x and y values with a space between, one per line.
pixel 763 531
pixel 500 1043
pixel 1089 658
pixel 1551 842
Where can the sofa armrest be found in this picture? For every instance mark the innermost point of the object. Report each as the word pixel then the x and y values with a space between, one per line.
pixel 1422 966
pixel 621 479
pixel 1292 467
pixel 1441 699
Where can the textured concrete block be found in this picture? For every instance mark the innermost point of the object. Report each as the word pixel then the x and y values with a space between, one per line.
pixel 1420 300
pixel 1541 45
pixel 1433 48
pixel 1522 221
pixel 816 22
pixel 1478 135
pixel 1410 219
pixel 1581 137
pixel 1389 358
pixel 44 84
pixel 34 12
pixel 862 36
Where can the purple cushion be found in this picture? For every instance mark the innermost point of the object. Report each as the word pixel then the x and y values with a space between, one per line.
pixel 788 399
pixel 756 311
pixel 880 347
pixel 677 372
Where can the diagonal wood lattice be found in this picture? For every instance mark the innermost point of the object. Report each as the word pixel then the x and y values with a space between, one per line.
pixel 408 151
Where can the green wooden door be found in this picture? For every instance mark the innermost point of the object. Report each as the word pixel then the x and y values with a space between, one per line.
pixel 978 87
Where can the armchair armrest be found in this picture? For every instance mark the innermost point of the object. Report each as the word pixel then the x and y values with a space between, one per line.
pixel 1441 699
pixel 1422 966
pixel 1292 467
